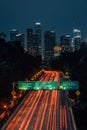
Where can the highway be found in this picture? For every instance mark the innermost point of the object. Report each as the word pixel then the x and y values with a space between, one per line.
pixel 42 109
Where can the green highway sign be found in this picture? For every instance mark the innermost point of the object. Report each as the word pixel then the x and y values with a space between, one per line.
pixel 37 85
pixel 23 85
pixel 48 85
pixel 69 85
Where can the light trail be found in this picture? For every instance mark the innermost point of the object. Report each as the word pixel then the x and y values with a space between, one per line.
pixel 44 111
pixel 55 106
pixel 49 116
pixel 65 118
pixel 51 124
pixel 61 118
pixel 17 117
pixel 41 114
pixel 30 113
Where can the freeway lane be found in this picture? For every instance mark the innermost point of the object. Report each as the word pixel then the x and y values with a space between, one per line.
pixel 66 122
pixel 40 115
pixel 42 109
pixel 63 116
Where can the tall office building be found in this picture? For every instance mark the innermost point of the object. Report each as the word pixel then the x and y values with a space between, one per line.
pixel 49 43
pixel 65 43
pixel 21 38
pixel 13 34
pixel 76 39
pixel 35 45
pixel 29 38
pixel 38 33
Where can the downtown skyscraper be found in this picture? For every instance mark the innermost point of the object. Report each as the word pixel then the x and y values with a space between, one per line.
pixel 76 40
pixel 49 43
pixel 16 36
pixel 29 38
pixel 38 33
pixel 13 34
pixel 65 43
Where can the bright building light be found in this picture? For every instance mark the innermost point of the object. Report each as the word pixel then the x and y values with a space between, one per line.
pixel 37 23
pixel 76 30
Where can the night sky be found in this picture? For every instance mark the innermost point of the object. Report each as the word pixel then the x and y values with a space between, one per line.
pixel 59 15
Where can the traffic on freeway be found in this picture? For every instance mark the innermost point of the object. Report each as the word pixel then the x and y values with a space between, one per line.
pixel 42 109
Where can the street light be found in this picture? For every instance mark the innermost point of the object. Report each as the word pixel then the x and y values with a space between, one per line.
pixel 5 106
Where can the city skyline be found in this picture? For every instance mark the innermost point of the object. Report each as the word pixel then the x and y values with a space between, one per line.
pixel 60 16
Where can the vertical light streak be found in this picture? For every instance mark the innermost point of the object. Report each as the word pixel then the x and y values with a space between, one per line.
pixel 44 112
pixel 55 104
pixel 61 117
pixel 49 115
pixel 65 118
